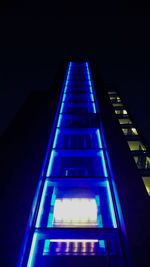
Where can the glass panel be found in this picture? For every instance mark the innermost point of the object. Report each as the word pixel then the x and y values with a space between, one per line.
pixel 146 181
pixel 125 121
pixel 76 163
pixel 129 131
pixel 78 108
pixel 77 138
pixel 79 87
pixel 78 98
pixel 81 121
pixel 136 145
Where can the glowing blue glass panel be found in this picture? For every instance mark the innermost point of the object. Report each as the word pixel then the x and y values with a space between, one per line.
pixel 78 98
pixel 78 108
pixel 77 138
pixel 75 162
pixel 83 88
pixel 76 207
pixel 78 121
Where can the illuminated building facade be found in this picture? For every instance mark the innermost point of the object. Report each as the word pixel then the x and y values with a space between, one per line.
pixel 139 150
pixel 79 214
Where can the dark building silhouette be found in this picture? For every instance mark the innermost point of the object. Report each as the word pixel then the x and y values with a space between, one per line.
pixel 89 205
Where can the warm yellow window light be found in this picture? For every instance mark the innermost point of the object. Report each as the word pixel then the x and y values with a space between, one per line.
pixel 125 121
pixel 136 145
pixel 146 181
pixel 112 92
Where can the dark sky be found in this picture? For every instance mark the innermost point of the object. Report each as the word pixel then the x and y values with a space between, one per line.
pixel 34 40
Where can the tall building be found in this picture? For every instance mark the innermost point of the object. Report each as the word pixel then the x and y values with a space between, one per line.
pixel 91 201
pixel 139 150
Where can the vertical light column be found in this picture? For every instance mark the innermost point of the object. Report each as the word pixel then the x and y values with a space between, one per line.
pixel 76 190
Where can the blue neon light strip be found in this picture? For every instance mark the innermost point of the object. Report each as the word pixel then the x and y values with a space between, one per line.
pixel 67 91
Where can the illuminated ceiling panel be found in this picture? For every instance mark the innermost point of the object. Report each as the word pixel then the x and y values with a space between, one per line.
pixel 75 212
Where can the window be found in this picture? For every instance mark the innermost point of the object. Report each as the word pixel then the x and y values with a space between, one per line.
pixel 130 131
pixel 142 161
pixel 146 181
pixel 121 112
pixel 125 121
pixel 112 92
pixel 136 145
pixel 115 99
pixel 117 105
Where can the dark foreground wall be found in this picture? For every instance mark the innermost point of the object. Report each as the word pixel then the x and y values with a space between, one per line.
pixel 22 152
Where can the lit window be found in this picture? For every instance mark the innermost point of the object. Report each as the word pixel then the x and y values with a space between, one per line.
pixel 118 99
pixel 142 161
pixel 117 105
pixel 129 131
pixel 118 112
pixel 146 181
pixel 112 92
pixel 125 121
pixel 112 98
pixel 124 112
pixel 136 145
pixel 75 212
pixel 134 131
pixel 121 112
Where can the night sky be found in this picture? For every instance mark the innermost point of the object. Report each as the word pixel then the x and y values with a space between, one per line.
pixel 34 41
